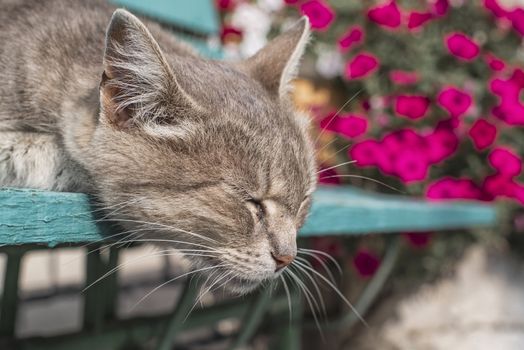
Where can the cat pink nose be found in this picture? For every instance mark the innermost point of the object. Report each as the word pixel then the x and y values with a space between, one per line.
pixel 282 260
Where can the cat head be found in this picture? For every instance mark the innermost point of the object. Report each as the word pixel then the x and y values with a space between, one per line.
pixel 209 157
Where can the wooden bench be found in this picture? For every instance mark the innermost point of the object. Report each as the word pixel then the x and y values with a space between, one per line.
pixel 32 220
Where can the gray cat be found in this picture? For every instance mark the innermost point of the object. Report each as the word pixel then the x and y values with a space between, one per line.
pixel 207 157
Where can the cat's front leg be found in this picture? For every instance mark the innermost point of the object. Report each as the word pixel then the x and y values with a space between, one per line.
pixel 35 160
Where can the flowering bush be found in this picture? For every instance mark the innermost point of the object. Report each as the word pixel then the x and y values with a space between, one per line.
pixel 437 85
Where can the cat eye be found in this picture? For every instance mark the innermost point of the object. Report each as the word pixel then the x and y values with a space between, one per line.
pixel 258 207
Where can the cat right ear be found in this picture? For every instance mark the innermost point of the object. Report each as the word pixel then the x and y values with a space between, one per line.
pixel 138 85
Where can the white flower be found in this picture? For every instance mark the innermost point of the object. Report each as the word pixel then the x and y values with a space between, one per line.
pixel 251 43
pixel 271 5
pixel 329 63
pixel 251 19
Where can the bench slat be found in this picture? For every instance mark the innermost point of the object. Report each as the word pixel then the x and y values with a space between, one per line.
pixel 52 218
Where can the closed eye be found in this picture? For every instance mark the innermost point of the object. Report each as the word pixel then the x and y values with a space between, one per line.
pixel 257 207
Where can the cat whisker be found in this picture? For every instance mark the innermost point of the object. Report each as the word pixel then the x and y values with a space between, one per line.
pixel 166 227
pixel 313 253
pixel 174 279
pixel 336 166
pixel 315 285
pixel 288 295
pixel 366 178
pixel 308 297
pixel 337 113
pixel 169 252
pixel 336 290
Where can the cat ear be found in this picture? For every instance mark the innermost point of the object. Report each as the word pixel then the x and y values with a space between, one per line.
pixel 275 65
pixel 138 85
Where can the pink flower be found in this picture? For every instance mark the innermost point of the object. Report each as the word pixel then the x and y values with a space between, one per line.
pixel 510 109
pixel 517 19
pixel 352 125
pixel 328 177
pixel 361 66
pixel 451 188
pixel 462 46
pixel 455 101
pixel 230 32
pixel 319 13
pixel 291 2
pixel 225 5
pixel 353 36
pixel 390 150
pixel 495 63
pixel 401 77
pixel 482 133
pixel 418 239
pixel 442 143
pixel 411 106
pixel 349 125
pixel 386 15
pixel 411 165
pixel 365 153
pixel 505 161
pixel 418 19
pixel 366 263
pixel 495 8
pixel 440 7
pixel 498 185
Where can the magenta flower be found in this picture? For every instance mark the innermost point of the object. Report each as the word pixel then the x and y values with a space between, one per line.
pixel 364 153
pixel 483 134
pixel 392 145
pixel 349 125
pixel 411 106
pixel 455 101
pixel 411 165
pixel 352 125
pixel 495 63
pixel 387 15
pixel 442 143
pixel 401 77
pixel 517 19
pixel 353 36
pixel 319 13
pixel 495 8
pixel 515 16
pixel 418 239
pixel 361 66
pixel 440 7
pixel 225 5
pixel 498 185
pixel 505 161
pixel 510 109
pixel 230 32
pixel 366 263
pixel 452 188
pixel 418 19
pixel 462 46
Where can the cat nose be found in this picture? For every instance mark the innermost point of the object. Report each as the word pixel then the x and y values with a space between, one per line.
pixel 282 260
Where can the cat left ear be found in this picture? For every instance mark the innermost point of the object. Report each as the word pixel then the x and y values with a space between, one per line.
pixel 275 65
pixel 138 86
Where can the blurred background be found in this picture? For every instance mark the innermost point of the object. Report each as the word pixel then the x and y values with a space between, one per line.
pixel 415 97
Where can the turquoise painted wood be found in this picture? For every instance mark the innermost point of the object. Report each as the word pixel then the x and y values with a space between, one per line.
pixel 52 218
pixel 196 15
